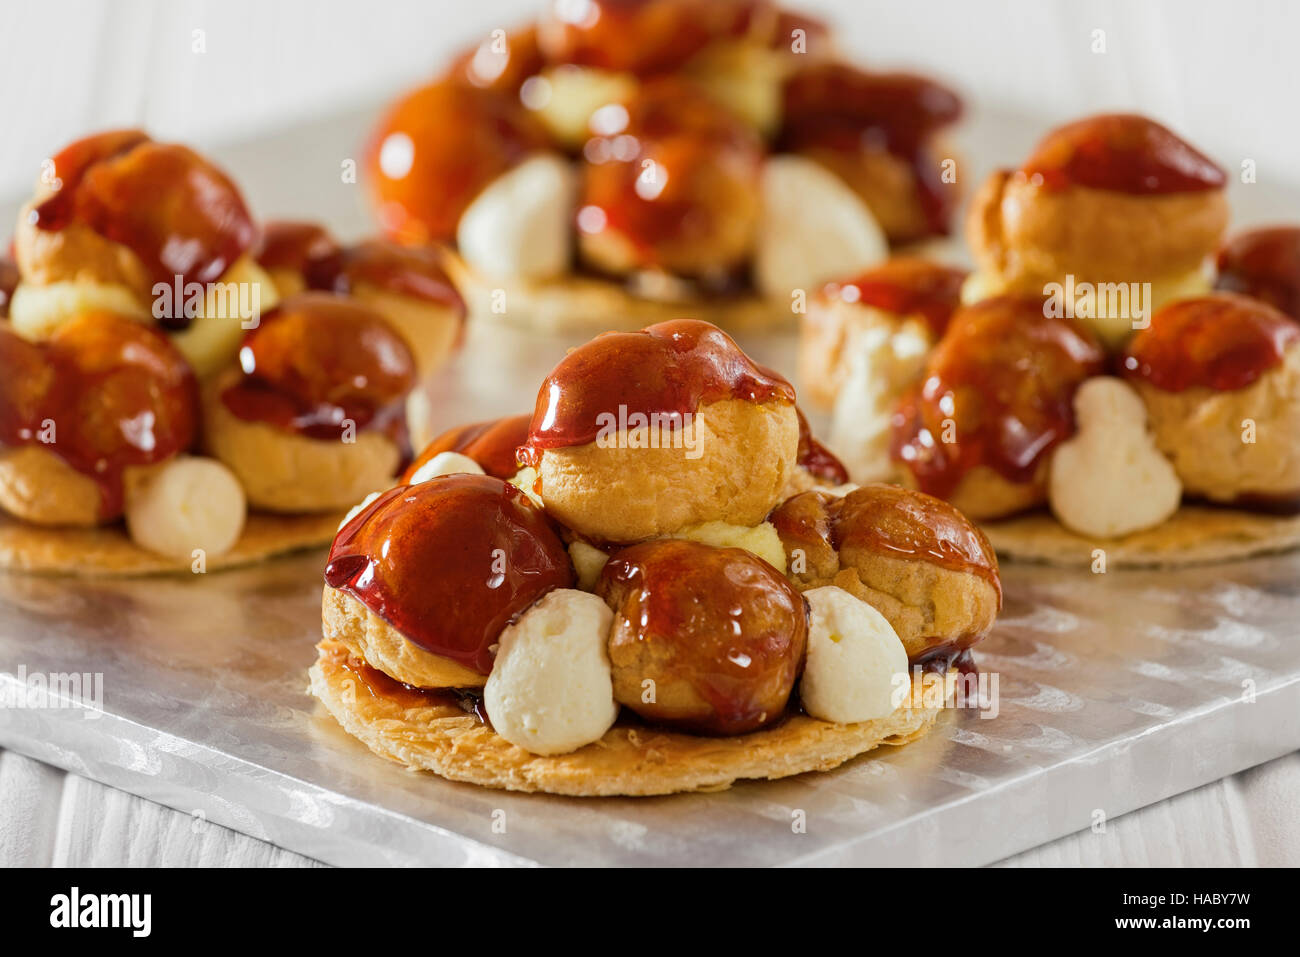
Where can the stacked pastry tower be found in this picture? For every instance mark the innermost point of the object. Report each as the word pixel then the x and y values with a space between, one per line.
pixel 657 581
pixel 1087 365
pixel 169 365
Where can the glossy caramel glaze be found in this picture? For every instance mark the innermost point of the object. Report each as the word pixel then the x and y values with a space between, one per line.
pixel 890 521
pixel 450 562
pixel 318 362
pixel 324 265
pixel 501 63
pixel 102 393
pixel 903 523
pixel 1222 341
pixel 415 271
pixel 834 106
pixel 1123 153
pixel 639 36
pixel 1000 384
pixel 719 620
pixel 671 368
pixel 817 458
pixel 905 286
pixel 1264 264
pixel 294 245
pixel 382 687
pixel 435 151
pixel 177 212
pixel 678 181
pixel 491 444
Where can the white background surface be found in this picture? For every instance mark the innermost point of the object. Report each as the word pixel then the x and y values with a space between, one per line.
pixel 1222 73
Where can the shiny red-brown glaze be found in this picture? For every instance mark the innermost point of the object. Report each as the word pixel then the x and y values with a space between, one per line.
pixel 1222 341
pixel 491 444
pixel 705 159
pixel 450 562
pixel 316 363
pixel 177 212
pixel 905 286
pixel 639 36
pixel 902 523
pixel 116 392
pixel 382 687
pixel 719 619
pixel 502 62
pixel 817 458
pixel 9 279
pixel 458 138
pixel 294 245
pixel 892 522
pixel 671 368
pixel 309 250
pixel 1123 153
pixel 415 271
pixel 1004 376
pixel 834 106
pixel 1264 264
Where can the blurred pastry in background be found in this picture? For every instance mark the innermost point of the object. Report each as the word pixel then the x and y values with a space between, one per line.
pixel 118 219
pixel 160 402
pixel 1263 263
pixel 1115 201
pixel 630 162
pixel 408 285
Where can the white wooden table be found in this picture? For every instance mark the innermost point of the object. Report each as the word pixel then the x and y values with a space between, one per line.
pixel 49 817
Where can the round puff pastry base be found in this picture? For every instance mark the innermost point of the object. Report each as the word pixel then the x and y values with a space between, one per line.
pixel 1195 535
pixel 580 303
pixel 109 551
pixel 632 760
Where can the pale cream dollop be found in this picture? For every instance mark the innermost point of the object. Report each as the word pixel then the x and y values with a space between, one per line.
pixel 520 225
pixel 1109 479
pixel 550 690
pixel 184 505
pixel 854 658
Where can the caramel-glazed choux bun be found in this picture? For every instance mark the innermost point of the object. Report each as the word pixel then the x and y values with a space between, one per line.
pixel 491 445
pixel 638 434
pixel 1220 376
pixel 73 414
pixel 313 419
pixel 1116 198
pixel 74 229
pixel 862 342
pixel 684 200
pixel 995 398
pixel 914 558
pixel 148 230
pixel 407 285
pixel 705 639
pixel 421 582
pixel 880 133
pixel 1263 264
pixel 895 311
